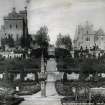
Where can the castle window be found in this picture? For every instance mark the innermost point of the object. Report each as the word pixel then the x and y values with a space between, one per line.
pixel 5 34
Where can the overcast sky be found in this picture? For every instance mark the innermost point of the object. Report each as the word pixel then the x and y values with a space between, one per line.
pixel 61 16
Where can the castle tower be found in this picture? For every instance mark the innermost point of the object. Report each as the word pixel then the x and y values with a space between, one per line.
pixel 85 36
pixel 15 27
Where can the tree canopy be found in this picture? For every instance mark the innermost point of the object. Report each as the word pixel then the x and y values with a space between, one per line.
pixel 42 38
pixel 64 40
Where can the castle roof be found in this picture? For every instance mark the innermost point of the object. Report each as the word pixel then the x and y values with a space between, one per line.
pixel 15 15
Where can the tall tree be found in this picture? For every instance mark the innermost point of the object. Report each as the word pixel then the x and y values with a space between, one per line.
pixel 64 40
pixel 42 38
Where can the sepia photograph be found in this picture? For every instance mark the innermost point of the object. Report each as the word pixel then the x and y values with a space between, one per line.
pixel 52 52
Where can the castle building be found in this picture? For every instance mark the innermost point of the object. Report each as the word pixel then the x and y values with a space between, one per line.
pixel 87 37
pixel 15 27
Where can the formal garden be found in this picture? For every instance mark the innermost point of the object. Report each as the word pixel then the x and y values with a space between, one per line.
pixel 90 70
pixel 89 67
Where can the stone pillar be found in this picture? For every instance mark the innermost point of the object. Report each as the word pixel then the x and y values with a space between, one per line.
pixel 42 77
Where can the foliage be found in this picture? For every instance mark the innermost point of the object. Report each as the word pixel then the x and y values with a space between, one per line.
pixel 37 53
pixel 98 98
pixel 64 41
pixel 16 64
pixel 91 66
pixel 87 66
pixel 42 38
pixel 8 41
pixel 61 52
pixel 69 61
pixel 25 41
pixel 64 60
